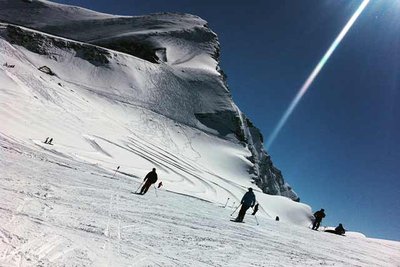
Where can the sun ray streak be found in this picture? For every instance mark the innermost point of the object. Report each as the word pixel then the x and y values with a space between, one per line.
pixel 315 72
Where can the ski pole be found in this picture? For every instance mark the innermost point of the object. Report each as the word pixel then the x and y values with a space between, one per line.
pixel 115 172
pixel 236 209
pixel 139 187
pixel 256 219
pixel 155 190
pixel 226 203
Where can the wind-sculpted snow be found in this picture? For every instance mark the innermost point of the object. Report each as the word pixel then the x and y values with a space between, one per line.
pixel 184 37
pixel 177 74
pixel 119 113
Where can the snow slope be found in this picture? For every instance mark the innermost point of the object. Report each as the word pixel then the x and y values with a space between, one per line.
pixel 189 78
pixel 57 211
pixel 60 205
pixel 105 116
pixel 128 112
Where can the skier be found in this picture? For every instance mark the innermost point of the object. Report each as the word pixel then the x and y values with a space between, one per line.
pixel 318 218
pixel 51 140
pixel 248 200
pixel 47 139
pixel 150 179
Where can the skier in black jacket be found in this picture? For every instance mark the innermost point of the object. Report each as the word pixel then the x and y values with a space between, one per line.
pixel 319 215
pixel 150 179
pixel 248 200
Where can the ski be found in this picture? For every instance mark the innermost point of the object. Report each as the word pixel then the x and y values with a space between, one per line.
pixel 236 221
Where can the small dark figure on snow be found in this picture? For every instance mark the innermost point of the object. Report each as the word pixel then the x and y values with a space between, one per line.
pixel 319 215
pixel 277 218
pixel 248 200
pixel 47 139
pixel 159 184
pixel 150 179
pixel 51 140
pixel 339 230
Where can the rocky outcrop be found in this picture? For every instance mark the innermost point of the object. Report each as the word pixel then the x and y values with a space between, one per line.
pixel 266 176
pixel 40 44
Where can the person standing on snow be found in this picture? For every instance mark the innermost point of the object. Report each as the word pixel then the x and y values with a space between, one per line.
pixel 248 200
pixel 319 215
pixel 150 179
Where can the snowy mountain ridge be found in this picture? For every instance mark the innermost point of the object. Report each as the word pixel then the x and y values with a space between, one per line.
pixel 185 44
pixel 111 93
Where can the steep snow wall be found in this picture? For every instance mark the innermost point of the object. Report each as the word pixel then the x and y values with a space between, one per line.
pixel 181 79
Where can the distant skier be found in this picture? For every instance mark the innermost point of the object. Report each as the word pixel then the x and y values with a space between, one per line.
pixel 51 140
pixel 47 139
pixel 248 200
pixel 319 215
pixel 277 218
pixel 150 179
pixel 340 230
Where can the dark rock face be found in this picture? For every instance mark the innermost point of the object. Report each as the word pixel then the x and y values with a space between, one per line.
pixel 39 43
pixel 266 176
pixel 133 46
pixel 47 70
pixel 224 122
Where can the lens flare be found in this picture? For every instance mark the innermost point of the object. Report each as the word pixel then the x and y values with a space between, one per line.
pixel 315 72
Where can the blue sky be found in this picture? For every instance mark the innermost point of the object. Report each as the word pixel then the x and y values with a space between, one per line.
pixel 340 149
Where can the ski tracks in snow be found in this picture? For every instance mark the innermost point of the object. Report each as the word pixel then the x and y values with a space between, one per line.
pixel 197 179
pixel 113 210
pixel 92 220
